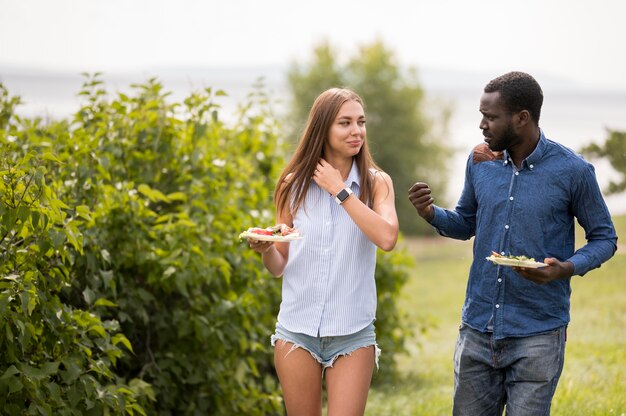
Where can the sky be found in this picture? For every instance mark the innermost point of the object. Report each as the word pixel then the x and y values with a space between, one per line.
pixel 577 40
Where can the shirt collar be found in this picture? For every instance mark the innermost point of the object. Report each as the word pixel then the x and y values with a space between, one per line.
pixel 354 176
pixel 536 154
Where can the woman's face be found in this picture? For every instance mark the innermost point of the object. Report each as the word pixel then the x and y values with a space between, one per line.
pixel 347 132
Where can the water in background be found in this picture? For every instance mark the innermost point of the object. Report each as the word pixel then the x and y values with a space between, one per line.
pixel 571 115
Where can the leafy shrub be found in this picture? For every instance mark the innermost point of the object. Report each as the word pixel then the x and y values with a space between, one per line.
pixel 51 354
pixel 126 281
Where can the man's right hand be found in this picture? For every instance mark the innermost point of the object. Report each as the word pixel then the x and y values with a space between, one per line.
pixel 419 195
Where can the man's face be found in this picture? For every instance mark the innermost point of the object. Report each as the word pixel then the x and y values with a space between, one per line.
pixel 496 123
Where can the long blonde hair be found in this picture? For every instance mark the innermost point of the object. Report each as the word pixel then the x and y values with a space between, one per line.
pixel 297 176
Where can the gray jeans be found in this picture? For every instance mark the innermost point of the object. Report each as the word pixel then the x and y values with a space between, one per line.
pixel 519 373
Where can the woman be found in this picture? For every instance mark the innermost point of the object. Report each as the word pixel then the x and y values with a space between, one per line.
pixel 343 205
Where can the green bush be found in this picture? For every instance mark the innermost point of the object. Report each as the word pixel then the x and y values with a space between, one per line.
pixel 54 359
pixel 392 324
pixel 124 287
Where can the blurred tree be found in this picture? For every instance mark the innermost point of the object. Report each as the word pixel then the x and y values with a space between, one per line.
pixel 401 134
pixel 613 149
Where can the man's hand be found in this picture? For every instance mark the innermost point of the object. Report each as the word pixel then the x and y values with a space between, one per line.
pixel 420 197
pixel 554 271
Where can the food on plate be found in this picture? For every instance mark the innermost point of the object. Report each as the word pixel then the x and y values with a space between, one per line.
pixel 514 261
pixel 521 258
pixel 278 232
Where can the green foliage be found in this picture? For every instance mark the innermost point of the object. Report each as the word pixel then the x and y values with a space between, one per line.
pixel 401 135
pixel 613 149
pixel 123 286
pixel 393 328
pixel 51 354
pixel 155 196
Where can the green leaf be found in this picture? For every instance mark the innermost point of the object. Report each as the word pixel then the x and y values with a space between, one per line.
pixel 15 386
pixel 89 296
pixel 55 391
pixel 177 196
pixel 98 329
pixel 152 194
pixel 105 302
pixel 51 157
pixel 51 367
pixel 5 300
pixel 121 338
pixel 71 372
pixel 29 302
pixel 11 371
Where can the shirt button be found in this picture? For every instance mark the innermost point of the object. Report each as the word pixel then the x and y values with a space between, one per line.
pixel 499 280
pixel 532 166
pixel 497 306
pixel 516 173
pixel 511 198
pixel 502 253
pixel 506 226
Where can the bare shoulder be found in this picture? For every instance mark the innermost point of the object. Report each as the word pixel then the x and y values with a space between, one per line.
pixel 380 176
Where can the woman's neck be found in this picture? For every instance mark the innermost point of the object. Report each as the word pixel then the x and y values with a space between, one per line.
pixel 343 165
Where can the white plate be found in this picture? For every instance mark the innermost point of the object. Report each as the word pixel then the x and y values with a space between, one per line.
pixel 280 238
pixel 505 261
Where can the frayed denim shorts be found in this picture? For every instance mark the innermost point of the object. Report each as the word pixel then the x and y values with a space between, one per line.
pixel 326 350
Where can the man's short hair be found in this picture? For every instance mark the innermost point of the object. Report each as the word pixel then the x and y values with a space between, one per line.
pixel 519 91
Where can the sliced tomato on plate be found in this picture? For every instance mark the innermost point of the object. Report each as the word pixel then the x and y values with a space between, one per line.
pixel 261 231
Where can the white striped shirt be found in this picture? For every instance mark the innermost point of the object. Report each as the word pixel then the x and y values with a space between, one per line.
pixel 328 284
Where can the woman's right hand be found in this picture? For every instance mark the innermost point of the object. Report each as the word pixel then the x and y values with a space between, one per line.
pixel 260 246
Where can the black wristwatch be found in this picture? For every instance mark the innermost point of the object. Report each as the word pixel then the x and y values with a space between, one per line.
pixel 343 195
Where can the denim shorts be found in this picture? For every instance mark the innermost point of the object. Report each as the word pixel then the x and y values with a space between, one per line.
pixel 326 350
pixel 519 373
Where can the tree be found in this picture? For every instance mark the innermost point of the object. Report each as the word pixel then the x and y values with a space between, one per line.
pixel 614 149
pixel 400 134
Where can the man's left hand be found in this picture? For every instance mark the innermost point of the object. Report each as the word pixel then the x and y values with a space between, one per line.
pixel 555 270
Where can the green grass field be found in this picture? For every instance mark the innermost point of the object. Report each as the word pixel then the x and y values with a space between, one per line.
pixel 593 382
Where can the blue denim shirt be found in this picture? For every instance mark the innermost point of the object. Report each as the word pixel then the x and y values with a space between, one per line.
pixel 528 212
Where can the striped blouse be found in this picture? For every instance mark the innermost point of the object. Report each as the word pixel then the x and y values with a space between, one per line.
pixel 328 285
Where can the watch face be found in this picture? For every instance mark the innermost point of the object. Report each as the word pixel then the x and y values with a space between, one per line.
pixel 342 195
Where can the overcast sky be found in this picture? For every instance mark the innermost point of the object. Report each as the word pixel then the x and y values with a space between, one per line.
pixel 582 41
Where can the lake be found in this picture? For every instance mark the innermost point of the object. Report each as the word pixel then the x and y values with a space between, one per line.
pixel 572 115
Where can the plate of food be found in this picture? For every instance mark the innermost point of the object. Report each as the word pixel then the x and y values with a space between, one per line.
pixel 278 232
pixel 514 261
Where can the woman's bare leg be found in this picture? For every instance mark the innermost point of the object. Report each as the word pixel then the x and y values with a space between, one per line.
pixel 348 382
pixel 300 377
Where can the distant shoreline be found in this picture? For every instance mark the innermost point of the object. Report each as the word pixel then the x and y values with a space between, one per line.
pixel 572 115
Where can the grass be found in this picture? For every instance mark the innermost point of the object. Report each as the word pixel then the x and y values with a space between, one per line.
pixel 593 382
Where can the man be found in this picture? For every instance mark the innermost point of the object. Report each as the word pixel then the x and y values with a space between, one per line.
pixel 521 195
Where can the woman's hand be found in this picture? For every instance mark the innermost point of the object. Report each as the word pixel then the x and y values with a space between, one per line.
pixel 328 178
pixel 260 246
